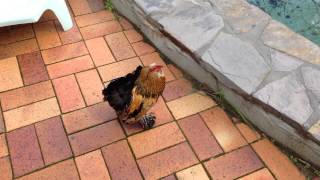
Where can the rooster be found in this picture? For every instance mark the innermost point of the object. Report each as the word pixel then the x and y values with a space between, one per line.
pixel 133 95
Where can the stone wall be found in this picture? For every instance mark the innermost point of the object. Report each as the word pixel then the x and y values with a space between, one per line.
pixel 267 71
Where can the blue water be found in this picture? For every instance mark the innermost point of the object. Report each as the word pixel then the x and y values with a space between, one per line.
pixel 302 16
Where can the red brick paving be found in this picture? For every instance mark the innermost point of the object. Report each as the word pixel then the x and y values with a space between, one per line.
pixel 17 48
pixel 65 170
pixel 67 37
pixel 80 7
pixel 116 70
pixel 120 162
pixel 249 134
pixel 90 85
pixel 24 150
pixel 223 129
pixel 278 163
pixel 176 89
pixel 263 174
pixel 16 33
pixel 142 48
pixel 202 141
pixel 32 113
pixel 96 137
pixel 126 25
pixel 64 52
pixel 94 18
pixel 92 166
pixel 47 35
pixel 5 168
pixel 99 51
pixel 96 5
pixel 26 95
pixel 32 68
pixel 53 140
pixel 3 146
pixel 64 87
pixel 88 117
pixel 171 177
pixel 98 30
pixel 156 139
pixel 120 46
pixel 241 162
pixel 175 71
pixel 168 161
pixel 70 66
pixel 133 36
pixel 1 122
pixel 192 137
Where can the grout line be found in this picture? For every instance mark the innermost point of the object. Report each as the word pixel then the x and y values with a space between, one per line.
pixel 206 170
pixel 134 158
pixel 20 71
pixel 260 158
pixel 96 148
pixel 3 120
pixel 7 141
pixel 82 94
pixel 100 22
pixel 28 104
pixel 55 27
pixel 39 144
pixel 76 166
pixel 249 173
pixel 21 87
pixel 29 38
pixel 94 64
pixel 42 168
pixel 66 59
pixel 105 163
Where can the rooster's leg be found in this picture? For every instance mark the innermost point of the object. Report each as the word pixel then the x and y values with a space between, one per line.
pixel 147 121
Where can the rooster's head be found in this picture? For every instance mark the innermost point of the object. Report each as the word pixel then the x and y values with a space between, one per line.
pixel 152 78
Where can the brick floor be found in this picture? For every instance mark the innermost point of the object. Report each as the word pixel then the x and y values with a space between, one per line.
pixel 92 165
pixel 99 51
pixel 10 76
pixel 32 68
pixel 67 37
pixel 5 168
pixel 202 141
pixel 219 123
pixel 70 66
pixel 53 140
pixel 3 146
pixel 277 162
pixel 156 139
pixel 194 172
pixel 241 161
pixel 47 35
pixel 24 150
pixel 120 161
pixel 64 87
pixel 54 125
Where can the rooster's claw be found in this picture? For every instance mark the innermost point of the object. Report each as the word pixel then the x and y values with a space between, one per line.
pixel 147 121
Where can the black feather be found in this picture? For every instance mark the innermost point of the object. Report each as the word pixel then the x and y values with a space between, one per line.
pixel 118 92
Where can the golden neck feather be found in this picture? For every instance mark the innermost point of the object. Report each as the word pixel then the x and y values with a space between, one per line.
pixel 150 84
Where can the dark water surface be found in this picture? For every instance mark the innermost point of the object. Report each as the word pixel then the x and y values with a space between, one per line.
pixel 302 16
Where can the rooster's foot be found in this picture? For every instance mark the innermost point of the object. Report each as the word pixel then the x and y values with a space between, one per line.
pixel 147 121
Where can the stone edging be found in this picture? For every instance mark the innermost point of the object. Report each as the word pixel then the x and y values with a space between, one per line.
pixel 264 69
